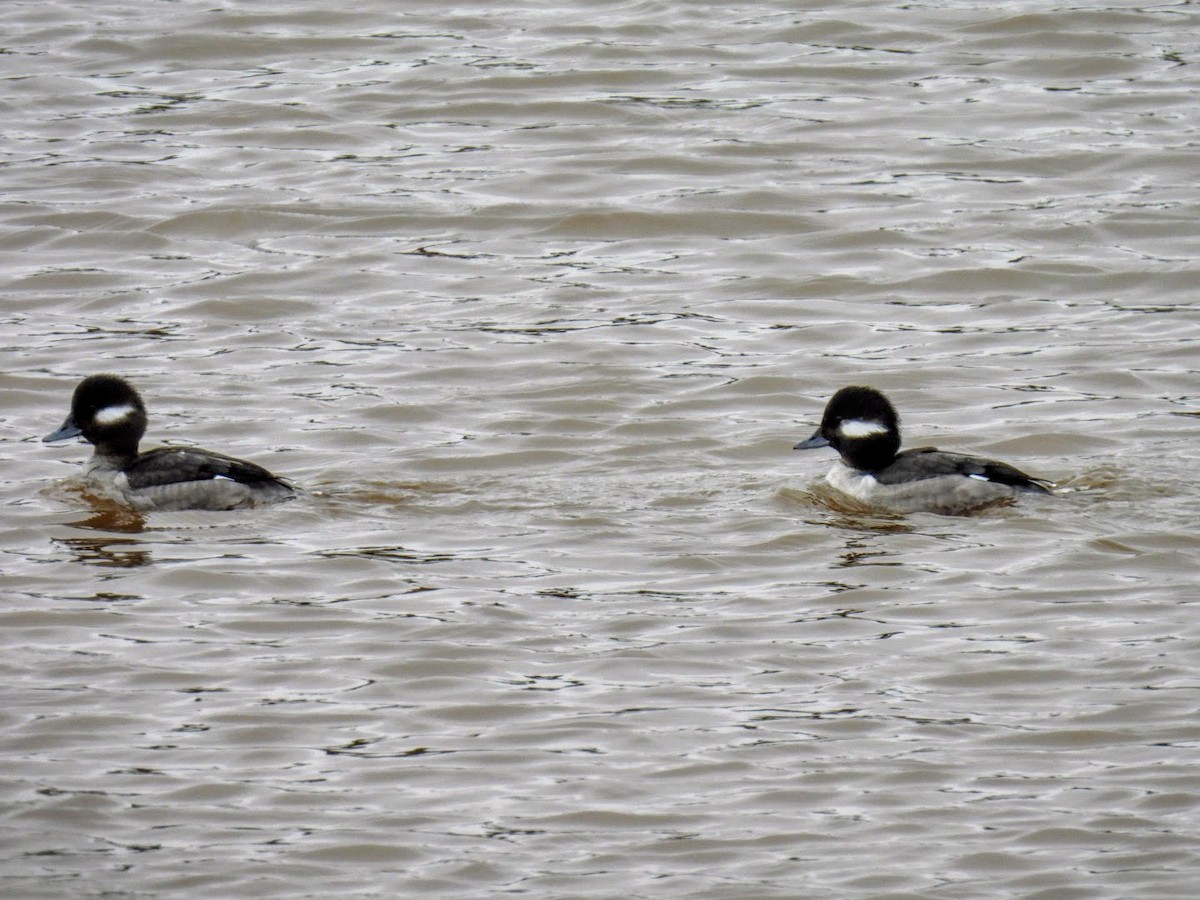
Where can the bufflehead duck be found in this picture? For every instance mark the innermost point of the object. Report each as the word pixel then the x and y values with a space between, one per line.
pixel 108 412
pixel 862 425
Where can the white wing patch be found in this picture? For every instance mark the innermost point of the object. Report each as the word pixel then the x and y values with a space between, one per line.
pixel 111 415
pixel 861 428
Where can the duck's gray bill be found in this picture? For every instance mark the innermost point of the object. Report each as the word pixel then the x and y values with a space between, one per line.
pixel 815 441
pixel 67 429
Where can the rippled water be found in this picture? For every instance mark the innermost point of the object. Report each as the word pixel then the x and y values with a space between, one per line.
pixel 536 301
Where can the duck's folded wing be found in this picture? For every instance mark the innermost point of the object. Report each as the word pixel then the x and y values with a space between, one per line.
pixel 928 462
pixel 173 465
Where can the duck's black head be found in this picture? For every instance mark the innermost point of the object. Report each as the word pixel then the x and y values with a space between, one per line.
pixel 108 412
pixel 862 425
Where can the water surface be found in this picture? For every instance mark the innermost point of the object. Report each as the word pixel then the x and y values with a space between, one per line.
pixel 535 302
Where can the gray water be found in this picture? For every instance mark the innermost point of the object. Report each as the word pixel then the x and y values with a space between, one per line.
pixel 535 302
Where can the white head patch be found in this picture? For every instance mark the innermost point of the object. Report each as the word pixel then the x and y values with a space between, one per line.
pixel 111 415
pixel 861 428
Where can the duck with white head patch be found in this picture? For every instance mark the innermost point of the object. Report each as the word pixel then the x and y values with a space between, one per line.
pixel 861 424
pixel 109 414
